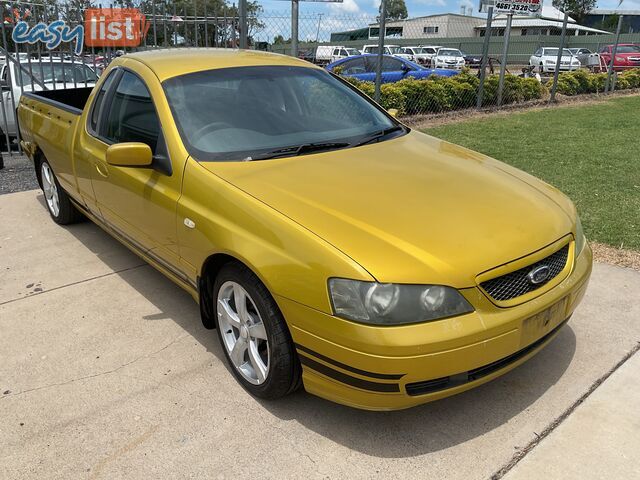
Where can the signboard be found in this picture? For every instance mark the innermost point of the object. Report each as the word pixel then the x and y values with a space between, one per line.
pixel 516 7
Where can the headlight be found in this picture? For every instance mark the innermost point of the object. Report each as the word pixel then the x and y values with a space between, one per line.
pixel 580 238
pixel 393 304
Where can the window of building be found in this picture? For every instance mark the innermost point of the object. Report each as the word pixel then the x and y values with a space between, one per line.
pixel 430 29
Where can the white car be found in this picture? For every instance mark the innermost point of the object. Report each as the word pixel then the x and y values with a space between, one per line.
pixel 394 50
pixel 422 55
pixel 545 59
pixel 448 58
pixel 326 54
pixel 51 72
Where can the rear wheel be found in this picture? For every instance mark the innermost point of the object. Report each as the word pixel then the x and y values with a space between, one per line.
pixel 58 202
pixel 253 334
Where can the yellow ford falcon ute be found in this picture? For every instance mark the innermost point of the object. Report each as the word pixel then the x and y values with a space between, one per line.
pixel 331 246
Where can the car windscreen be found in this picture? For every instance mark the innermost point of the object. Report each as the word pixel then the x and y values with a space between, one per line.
pixel 247 113
pixel 54 72
pixel 554 52
pixel 352 51
pixel 449 53
pixel 628 49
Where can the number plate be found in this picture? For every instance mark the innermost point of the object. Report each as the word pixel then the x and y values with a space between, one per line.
pixel 542 323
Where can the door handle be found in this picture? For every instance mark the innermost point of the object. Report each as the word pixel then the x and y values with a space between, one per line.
pixel 102 169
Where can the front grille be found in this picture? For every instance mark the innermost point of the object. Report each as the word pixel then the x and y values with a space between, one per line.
pixel 517 283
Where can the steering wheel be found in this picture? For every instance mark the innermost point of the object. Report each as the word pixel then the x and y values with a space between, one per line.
pixel 211 127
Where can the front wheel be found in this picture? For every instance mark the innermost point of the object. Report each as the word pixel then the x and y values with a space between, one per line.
pixel 254 335
pixel 58 202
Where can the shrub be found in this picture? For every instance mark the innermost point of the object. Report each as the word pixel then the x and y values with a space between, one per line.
pixel 392 96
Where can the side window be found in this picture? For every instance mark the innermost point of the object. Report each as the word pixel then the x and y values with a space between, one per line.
pixel 390 64
pixel 336 51
pixel 355 66
pixel 132 116
pixel 538 52
pixel 97 103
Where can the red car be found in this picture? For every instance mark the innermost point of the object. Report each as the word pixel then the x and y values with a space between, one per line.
pixel 627 56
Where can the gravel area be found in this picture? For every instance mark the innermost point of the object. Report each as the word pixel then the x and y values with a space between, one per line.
pixel 17 174
pixel 616 256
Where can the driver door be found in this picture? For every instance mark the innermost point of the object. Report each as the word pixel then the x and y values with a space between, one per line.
pixel 137 203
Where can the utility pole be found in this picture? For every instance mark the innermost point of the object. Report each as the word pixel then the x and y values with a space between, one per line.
pixel 505 51
pixel 382 30
pixel 552 98
pixel 608 86
pixel 294 27
pixel 485 56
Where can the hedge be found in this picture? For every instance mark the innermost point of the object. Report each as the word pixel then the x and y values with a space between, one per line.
pixel 580 81
pixel 441 94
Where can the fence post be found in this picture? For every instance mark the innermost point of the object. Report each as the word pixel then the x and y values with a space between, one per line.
pixel 556 73
pixel 242 11
pixel 485 56
pixel 294 27
pixel 614 51
pixel 155 33
pixel 382 30
pixel 505 51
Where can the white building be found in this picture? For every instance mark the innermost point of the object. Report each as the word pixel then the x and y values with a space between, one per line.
pixel 548 23
pixel 446 25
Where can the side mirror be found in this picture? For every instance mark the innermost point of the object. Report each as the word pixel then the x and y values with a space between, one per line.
pixel 129 154
pixel 406 68
pixel 393 112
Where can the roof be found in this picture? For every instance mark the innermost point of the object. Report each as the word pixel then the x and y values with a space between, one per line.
pixel 168 63
pixel 425 17
pixel 528 22
pixel 604 11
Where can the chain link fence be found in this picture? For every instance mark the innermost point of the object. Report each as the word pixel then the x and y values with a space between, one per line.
pixel 420 66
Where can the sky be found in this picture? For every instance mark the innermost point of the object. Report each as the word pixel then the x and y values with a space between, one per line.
pixel 320 19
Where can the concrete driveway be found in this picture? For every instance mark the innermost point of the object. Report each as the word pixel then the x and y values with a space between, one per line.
pixel 107 372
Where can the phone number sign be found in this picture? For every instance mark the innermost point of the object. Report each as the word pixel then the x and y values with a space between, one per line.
pixel 518 7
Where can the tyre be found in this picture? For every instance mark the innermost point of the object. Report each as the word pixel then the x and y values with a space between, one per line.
pixel 253 334
pixel 58 202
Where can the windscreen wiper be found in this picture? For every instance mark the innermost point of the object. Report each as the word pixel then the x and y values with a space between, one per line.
pixel 377 136
pixel 296 150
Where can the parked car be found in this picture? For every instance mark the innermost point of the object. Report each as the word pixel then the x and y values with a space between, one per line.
pixel 328 244
pixel 326 54
pixel 582 54
pixel 627 56
pixel 394 50
pixel 420 55
pixel 448 58
pixel 545 59
pixel 471 60
pixel 25 76
pixel 394 69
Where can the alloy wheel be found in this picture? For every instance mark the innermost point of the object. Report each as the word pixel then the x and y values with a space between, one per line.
pixel 243 332
pixel 50 189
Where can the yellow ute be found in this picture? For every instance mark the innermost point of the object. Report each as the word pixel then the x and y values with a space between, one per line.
pixel 330 245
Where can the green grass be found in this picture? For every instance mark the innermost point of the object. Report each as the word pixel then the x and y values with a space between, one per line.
pixel 591 153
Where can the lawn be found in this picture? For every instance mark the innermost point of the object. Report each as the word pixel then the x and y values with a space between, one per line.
pixel 592 153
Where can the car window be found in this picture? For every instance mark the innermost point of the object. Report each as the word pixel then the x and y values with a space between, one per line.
pixel 271 108
pixel 336 51
pixel 353 67
pixel 584 51
pixel 97 103
pixel 132 116
pixel 390 64
pixel 538 52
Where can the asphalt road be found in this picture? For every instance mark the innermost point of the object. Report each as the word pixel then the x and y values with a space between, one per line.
pixel 107 372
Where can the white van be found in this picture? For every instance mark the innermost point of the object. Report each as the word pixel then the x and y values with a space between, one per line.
pixel 394 50
pixel 326 54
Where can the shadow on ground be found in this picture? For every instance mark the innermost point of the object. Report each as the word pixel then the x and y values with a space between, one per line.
pixel 428 428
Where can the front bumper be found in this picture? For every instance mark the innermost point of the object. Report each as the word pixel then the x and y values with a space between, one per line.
pixel 390 368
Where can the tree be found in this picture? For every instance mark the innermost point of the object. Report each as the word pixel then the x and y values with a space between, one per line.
pixel 396 10
pixel 578 9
